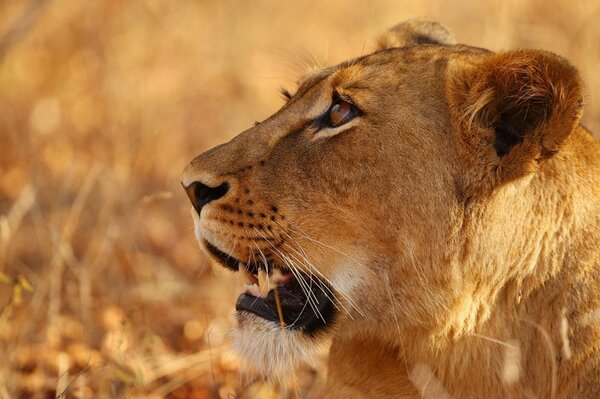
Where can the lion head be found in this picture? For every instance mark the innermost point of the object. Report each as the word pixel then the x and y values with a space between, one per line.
pixel 393 196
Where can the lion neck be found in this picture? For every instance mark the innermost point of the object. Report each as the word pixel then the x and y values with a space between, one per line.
pixel 516 240
pixel 509 271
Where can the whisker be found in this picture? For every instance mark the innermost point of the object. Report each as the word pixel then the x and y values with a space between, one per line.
pixel 328 246
pixel 329 293
pixel 313 270
pixel 318 275
pixel 311 298
pixel 413 262
pixel 298 278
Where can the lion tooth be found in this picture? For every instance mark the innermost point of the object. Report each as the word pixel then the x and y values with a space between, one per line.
pixel 263 282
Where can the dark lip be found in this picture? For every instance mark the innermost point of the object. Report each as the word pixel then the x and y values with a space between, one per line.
pixel 297 312
pixel 225 259
pixel 230 262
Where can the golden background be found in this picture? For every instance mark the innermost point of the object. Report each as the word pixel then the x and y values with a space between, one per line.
pixel 103 291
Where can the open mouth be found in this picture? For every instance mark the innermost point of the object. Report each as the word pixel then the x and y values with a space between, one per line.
pixel 279 294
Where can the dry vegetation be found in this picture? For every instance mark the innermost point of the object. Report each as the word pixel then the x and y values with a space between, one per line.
pixel 103 292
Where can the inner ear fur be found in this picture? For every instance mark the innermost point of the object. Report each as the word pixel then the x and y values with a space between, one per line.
pixel 416 31
pixel 514 109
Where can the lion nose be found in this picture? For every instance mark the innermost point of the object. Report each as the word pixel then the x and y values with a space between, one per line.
pixel 200 194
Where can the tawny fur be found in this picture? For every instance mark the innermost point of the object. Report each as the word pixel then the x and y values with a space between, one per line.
pixel 267 350
pixel 458 219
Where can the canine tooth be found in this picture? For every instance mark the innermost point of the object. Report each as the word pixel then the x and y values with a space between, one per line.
pixel 263 282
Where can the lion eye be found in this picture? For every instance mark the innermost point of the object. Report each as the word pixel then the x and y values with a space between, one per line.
pixel 341 112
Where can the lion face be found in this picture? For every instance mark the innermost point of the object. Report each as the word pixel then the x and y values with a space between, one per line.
pixel 342 212
pixel 328 195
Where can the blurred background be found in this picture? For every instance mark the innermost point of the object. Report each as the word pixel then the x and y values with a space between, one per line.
pixel 103 291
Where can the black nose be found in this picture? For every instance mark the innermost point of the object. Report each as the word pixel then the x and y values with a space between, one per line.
pixel 200 194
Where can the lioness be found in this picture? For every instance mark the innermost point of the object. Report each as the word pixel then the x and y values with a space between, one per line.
pixel 431 208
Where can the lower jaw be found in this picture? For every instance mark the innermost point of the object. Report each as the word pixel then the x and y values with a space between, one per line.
pixel 260 345
pixel 297 315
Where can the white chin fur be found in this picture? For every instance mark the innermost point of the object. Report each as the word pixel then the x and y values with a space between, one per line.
pixel 265 349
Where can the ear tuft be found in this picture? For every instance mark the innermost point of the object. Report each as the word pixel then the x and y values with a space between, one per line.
pixel 416 31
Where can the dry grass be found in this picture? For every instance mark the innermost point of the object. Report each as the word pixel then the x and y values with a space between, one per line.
pixel 103 292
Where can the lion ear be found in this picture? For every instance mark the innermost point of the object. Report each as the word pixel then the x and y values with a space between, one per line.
pixel 512 110
pixel 416 31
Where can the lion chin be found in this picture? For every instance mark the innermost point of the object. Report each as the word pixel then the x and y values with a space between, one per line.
pixel 270 351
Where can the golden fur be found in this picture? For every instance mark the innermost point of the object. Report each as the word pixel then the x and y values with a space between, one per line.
pixel 457 218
